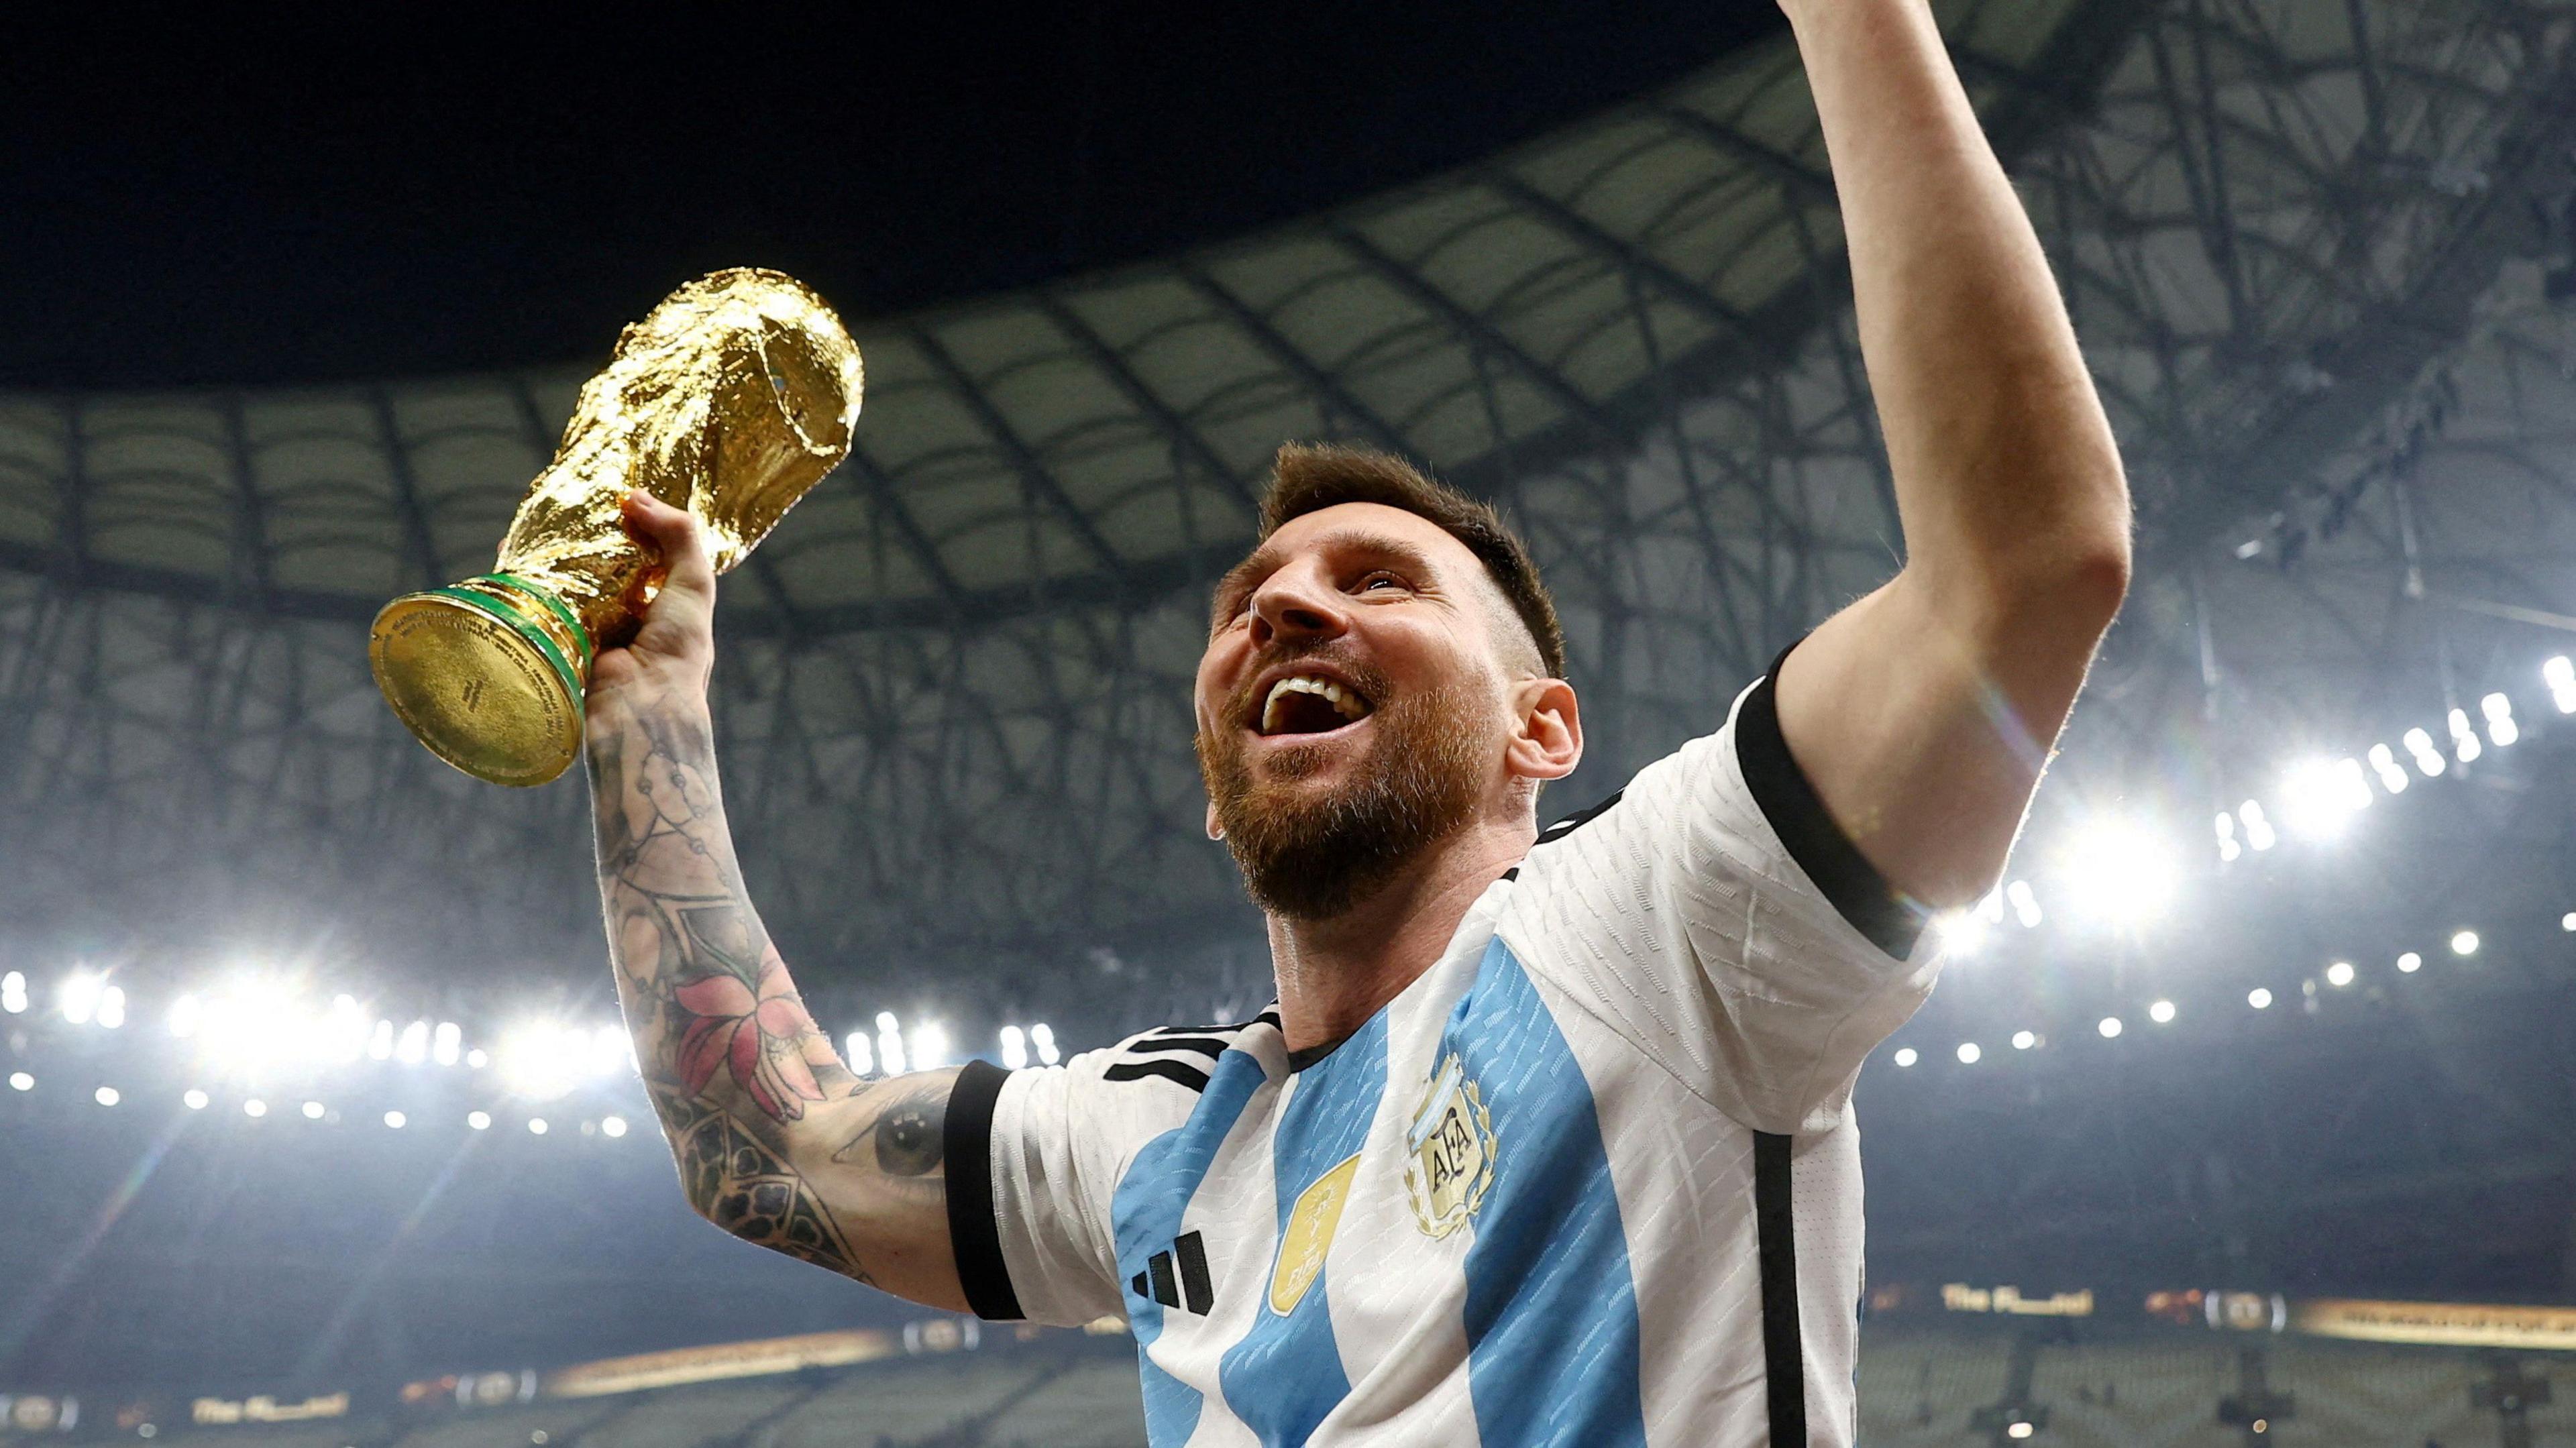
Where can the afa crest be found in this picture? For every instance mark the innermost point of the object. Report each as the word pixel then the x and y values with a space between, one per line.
pixel 1449 1151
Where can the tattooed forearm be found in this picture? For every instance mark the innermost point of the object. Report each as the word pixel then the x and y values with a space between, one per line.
pixel 768 1126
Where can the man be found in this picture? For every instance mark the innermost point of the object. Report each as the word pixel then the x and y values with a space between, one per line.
pixel 1548 1137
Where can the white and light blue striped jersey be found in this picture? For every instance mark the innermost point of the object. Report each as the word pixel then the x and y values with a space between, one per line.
pixel 1591 1179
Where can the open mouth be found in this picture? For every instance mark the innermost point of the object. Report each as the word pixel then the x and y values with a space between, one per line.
pixel 1310 704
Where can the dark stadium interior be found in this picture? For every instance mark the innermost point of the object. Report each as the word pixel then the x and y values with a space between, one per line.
pixel 294 313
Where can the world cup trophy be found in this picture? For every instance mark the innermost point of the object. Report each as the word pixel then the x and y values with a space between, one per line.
pixel 732 399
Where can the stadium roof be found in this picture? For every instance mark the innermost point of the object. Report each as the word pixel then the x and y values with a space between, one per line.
pixel 954 698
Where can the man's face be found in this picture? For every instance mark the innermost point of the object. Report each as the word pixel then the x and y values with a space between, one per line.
pixel 1353 704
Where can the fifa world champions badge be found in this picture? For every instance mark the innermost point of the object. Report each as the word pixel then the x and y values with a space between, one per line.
pixel 1449 1151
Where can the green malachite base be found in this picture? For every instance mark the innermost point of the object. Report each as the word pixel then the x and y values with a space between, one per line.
pixel 488 674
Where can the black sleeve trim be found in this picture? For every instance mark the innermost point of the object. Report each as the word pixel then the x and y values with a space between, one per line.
pixel 974 1234
pixel 1863 896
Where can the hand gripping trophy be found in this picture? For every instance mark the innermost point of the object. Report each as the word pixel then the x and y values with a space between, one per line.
pixel 731 400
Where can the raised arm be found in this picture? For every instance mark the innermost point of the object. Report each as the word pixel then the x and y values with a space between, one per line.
pixel 1924 712
pixel 777 1142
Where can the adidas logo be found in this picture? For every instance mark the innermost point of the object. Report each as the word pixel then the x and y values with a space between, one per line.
pixel 1178 1277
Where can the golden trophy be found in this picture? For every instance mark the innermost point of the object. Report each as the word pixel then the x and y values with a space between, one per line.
pixel 731 400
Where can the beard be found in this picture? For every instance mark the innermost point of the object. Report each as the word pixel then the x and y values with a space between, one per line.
pixel 1310 855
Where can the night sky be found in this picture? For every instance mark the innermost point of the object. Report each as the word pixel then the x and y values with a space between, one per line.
pixel 192 197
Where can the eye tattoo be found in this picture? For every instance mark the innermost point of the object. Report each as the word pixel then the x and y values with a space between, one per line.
pixel 909 1135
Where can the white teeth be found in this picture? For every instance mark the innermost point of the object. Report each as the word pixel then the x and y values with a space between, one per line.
pixel 1347 701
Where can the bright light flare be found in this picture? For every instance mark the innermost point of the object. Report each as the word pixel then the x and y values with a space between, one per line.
pixel 314 1111
pixel 2464 942
pixel 928 1047
pixel 78 997
pixel 2024 1040
pixel 2119 872
pixel 396 1120
pixel 1042 1036
pixel 21 1081
pixel 1906 1056
pixel 861 1053
pixel 542 1060
pixel 2339 974
pixel 412 1047
pixel 447 1043
pixel 254 1108
pixel 194 1099
pixel 1015 1048
pixel 890 1043
pixel 2392 775
pixel 13 993
pixel 1968 1053
pixel 2110 1028
pixel 2025 904
pixel 106 1096
pixel 478 1120
pixel 111 1007
pixel 2409 963
pixel 612 1126
pixel 2259 998
pixel 1961 931
pixel 2162 1013
pixel 2321 796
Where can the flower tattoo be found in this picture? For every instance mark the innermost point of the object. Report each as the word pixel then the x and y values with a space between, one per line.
pixel 758 1036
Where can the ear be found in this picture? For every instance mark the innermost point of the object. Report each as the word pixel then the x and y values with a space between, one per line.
pixel 1548 740
pixel 1215 831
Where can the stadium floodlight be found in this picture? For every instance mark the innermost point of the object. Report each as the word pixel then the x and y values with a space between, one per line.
pixel 185 1013
pixel 2258 825
pixel 536 1126
pixel 2228 848
pixel 13 993
pixel 2110 1028
pixel 2501 730
pixel 2560 675
pixel 106 1096
pixel 254 1108
pixel 1042 1036
pixel 1968 1053
pixel 612 1126
pixel 2118 872
pixel 2464 942
pixel 2428 760
pixel 2024 1040
pixel 478 1120
pixel 477 1059
pixel 78 997
pixel 611 1050
pixel 1961 931
pixel 446 1043
pixel 2392 776
pixel 194 1099
pixel 380 1044
pixel 2409 963
pixel 928 1046
pixel 2020 1428
pixel 111 1007
pixel 21 1081
pixel 860 1053
pixel 2339 974
pixel 890 1043
pixel 313 1110
pixel 1906 1056
pixel 2162 1012
pixel 1015 1048
pixel 2025 904
pixel 413 1046
pixel 396 1120
pixel 2464 740
pixel 2259 998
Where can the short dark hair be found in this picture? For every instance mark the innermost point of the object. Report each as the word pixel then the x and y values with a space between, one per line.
pixel 1309 477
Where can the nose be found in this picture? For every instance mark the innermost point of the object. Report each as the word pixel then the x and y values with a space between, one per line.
pixel 1294 603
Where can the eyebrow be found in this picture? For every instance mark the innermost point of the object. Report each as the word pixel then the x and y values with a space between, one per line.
pixel 1266 559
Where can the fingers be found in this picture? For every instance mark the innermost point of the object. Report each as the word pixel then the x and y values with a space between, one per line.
pixel 672 535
